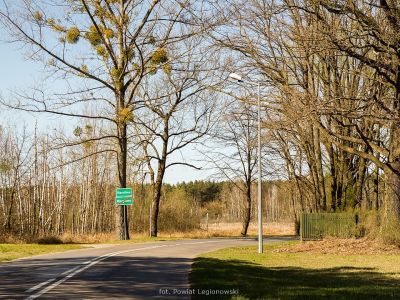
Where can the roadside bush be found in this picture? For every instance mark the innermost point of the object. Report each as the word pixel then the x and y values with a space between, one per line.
pixel 177 213
pixel 49 240
pixel 375 225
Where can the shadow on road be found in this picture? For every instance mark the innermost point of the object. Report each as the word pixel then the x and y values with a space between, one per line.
pixel 116 277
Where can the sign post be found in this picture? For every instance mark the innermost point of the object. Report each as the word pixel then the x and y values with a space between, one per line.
pixel 124 196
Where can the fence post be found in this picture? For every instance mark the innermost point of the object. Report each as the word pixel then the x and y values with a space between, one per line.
pixel 151 206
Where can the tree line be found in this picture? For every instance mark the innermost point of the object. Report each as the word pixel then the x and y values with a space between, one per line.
pixel 39 196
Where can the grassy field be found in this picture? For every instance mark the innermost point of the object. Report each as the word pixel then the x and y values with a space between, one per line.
pixel 13 251
pixel 282 275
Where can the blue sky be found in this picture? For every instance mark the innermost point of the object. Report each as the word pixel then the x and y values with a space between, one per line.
pixel 18 73
pixel 15 69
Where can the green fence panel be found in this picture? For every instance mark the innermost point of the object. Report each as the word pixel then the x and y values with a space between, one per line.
pixel 314 226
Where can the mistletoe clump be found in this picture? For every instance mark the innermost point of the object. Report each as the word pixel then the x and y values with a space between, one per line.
pixel 159 56
pixel 78 131
pixel 167 69
pixel 101 51
pixel 125 115
pixel 72 36
pixel 130 53
pixel 56 27
pixel 152 69
pixel 93 36
pixel 115 73
pixel 109 33
pixel 38 16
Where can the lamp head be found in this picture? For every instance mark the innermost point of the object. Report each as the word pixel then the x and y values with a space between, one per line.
pixel 235 76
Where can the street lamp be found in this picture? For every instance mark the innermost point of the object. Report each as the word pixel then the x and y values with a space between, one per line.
pixel 260 228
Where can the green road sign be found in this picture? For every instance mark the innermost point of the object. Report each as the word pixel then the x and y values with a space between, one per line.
pixel 124 196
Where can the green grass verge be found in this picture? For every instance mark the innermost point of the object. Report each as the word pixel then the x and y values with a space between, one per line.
pixel 280 275
pixel 18 250
pixel 13 251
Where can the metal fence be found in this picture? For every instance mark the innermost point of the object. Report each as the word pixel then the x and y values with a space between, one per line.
pixel 314 226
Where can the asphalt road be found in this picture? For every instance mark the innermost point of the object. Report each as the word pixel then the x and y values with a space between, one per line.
pixel 135 271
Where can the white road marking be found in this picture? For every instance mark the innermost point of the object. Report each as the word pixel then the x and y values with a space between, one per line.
pixel 69 271
pixel 72 272
pixel 34 288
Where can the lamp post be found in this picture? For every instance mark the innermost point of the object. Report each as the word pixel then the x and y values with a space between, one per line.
pixel 260 228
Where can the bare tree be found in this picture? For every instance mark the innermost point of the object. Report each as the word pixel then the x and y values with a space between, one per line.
pixel 177 113
pixel 233 153
pixel 373 40
pixel 327 62
pixel 100 52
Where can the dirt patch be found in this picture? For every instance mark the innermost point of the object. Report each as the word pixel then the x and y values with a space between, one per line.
pixel 343 246
pixel 229 229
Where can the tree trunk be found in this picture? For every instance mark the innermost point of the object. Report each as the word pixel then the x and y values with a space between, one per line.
pixel 360 181
pixel 319 169
pixel 247 212
pixel 392 201
pixel 156 198
pixel 392 196
pixel 160 178
pixel 122 210
pixel 334 178
pixel 296 225
pixel 376 189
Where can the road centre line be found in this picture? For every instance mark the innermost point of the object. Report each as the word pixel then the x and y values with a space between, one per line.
pixel 71 273
pixel 87 264
pixel 34 288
